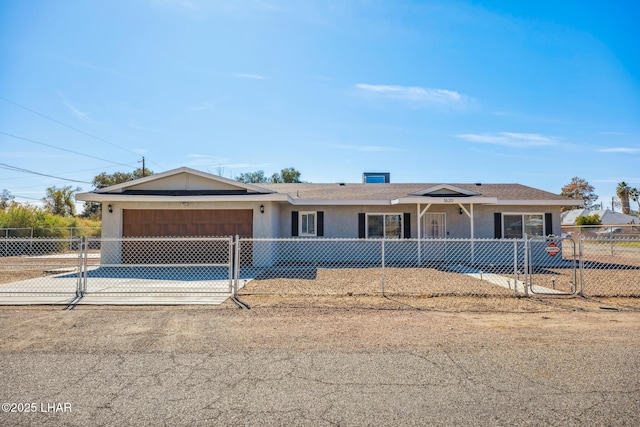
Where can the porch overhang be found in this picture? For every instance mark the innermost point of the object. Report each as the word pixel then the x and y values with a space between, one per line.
pixel 445 200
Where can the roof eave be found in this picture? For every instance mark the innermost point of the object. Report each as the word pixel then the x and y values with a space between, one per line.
pixel 537 202
pixel 446 200
pixel 101 198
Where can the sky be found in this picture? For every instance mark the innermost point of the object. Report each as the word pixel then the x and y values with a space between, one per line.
pixel 450 91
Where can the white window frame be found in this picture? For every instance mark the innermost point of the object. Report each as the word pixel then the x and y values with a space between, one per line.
pixel 522 215
pixel 384 224
pixel 303 214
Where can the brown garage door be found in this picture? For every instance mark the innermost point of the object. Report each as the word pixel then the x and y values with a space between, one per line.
pixel 182 223
pixel 187 223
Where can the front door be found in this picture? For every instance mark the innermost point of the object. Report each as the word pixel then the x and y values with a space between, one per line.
pixel 434 225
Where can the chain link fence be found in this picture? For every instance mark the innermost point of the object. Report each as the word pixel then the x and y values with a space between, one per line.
pixel 203 267
pixel 44 266
pixel 375 267
pixel 610 266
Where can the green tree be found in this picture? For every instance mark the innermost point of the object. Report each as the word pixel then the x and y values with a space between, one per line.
pixel 580 189
pixel 256 177
pixel 103 180
pixel 588 220
pixel 60 201
pixel 5 199
pixel 623 192
pixel 286 175
pixel 634 194
pixel 106 180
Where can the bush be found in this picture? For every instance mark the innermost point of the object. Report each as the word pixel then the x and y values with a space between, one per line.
pixel 589 220
pixel 44 224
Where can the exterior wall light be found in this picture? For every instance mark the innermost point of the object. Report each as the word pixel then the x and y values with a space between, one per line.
pixel 261 209
pixel 110 209
pixel 460 211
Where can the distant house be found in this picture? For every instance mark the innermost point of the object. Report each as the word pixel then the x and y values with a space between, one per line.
pixel 607 217
pixel 188 202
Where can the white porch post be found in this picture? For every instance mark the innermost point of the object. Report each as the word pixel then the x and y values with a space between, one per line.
pixel 471 219
pixel 419 234
pixel 473 235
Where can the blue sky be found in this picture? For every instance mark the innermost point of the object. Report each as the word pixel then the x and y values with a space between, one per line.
pixel 533 92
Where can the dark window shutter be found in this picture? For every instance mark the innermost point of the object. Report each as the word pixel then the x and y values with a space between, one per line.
pixel 407 225
pixel 497 225
pixel 548 225
pixel 294 223
pixel 361 230
pixel 320 224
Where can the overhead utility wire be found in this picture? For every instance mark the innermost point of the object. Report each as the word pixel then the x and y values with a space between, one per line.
pixel 62 149
pixel 67 126
pixel 17 169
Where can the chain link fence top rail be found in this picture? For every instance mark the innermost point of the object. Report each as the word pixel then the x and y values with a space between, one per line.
pixel 55 232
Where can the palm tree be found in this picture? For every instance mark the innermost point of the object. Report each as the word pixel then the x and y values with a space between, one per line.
pixel 634 194
pixel 623 192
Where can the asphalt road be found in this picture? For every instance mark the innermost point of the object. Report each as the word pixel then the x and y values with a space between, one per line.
pixel 461 369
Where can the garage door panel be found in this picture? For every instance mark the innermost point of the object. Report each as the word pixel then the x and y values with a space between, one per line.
pixel 181 223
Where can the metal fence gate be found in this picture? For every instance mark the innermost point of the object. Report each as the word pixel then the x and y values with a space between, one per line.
pixel 117 270
pixel 552 266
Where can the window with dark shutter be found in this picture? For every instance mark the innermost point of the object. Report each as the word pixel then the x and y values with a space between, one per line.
pixel 548 224
pixel 497 225
pixel 362 233
pixel 294 223
pixel 320 227
pixel 407 225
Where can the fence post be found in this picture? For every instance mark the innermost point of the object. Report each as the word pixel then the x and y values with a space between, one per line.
pixel 526 265
pixel 236 264
pixel 383 265
pixel 581 263
pixel 515 268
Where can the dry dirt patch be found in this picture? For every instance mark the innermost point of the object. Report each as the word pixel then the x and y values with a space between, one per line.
pixel 369 281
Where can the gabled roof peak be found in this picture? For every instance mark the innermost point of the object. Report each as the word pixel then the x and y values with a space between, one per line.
pixel 203 177
pixel 446 190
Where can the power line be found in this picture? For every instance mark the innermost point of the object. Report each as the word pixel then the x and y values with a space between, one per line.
pixel 17 169
pixel 25 197
pixel 62 149
pixel 67 126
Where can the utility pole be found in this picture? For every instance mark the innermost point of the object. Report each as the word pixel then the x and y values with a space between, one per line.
pixel 143 173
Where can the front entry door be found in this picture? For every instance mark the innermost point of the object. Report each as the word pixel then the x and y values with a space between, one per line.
pixel 434 226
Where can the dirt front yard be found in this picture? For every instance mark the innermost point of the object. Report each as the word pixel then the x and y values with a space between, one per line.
pixel 326 361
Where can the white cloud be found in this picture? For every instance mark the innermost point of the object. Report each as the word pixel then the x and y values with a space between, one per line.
pixel 76 112
pixel 414 93
pixel 250 76
pixel 365 148
pixel 509 139
pixel 627 150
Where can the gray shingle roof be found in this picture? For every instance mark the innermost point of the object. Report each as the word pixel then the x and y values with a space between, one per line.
pixel 393 191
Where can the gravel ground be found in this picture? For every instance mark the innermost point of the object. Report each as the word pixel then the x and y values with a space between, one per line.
pixel 369 281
